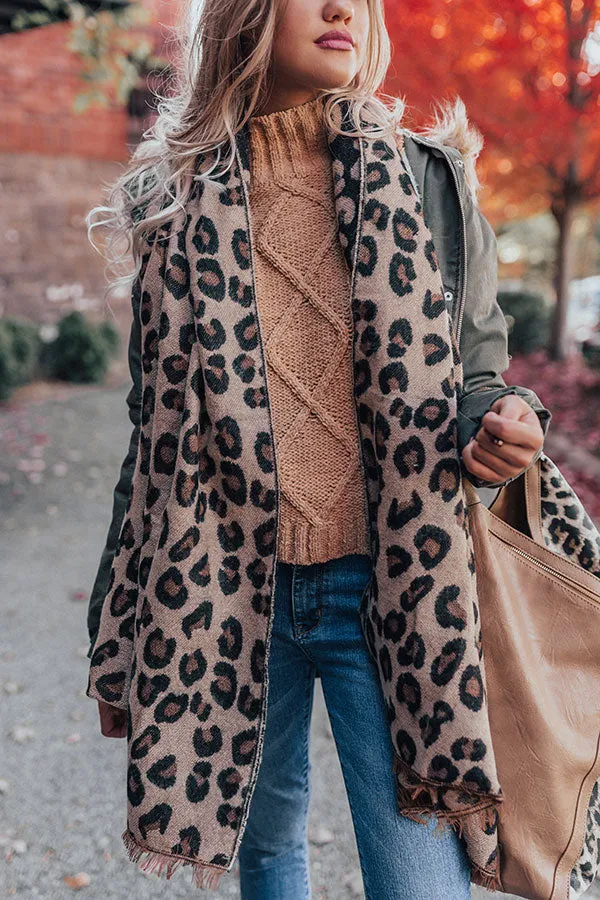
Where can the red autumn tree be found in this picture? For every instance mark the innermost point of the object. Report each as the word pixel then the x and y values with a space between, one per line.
pixel 528 72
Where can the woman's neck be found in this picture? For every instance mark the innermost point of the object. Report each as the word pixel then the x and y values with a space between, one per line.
pixel 288 141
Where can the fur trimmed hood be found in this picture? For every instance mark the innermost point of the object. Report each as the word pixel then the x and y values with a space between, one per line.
pixel 451 127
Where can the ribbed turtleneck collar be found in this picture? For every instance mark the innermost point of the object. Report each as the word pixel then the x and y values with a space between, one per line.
pixel 288 141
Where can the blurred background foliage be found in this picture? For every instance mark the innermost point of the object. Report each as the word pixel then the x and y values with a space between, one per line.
pixel 528 72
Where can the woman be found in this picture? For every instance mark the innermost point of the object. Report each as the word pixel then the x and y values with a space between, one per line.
pixel 291 507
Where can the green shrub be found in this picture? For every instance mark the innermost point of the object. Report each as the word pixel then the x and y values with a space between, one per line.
pixel 111 336
pixel 80 353
pixel 590 350
pixel 528 318
pixel 19 352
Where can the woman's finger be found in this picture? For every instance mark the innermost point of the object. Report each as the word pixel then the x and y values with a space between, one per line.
pixel 513 454
pixel 522 432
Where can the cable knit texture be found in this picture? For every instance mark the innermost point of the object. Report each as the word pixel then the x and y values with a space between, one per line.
pixel 303 300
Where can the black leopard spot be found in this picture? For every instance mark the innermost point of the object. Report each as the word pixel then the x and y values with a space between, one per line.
pixel 243 746
pixel 231 536
pixel 442 769
pixel 156 820
pixel 400 336
pixel 248 704
pixel 208 741
pixel 223 688
pixel 393 377
pixel 189 843
pixel 111 686
pixel 192 667
pixel 446 664
pixel 135 788
pixel 182 548
pixel 215 374
pixel 229 781
pixel 148 738
pixel 239 292
pixel 230 640
pixel 171 708
pixel 467 748
pixel 165 454
pixel 471 688
pixel 200 572
pixel 399 513
pixel 234 482
pixel 407 750
pixel 102 653
pixel 229 816
pixel 199 707
pixel 206 236
pixel 435 349
pixel 433 544
pixel 158 650
pixel 401 411
pixel 378 213
pixel 170 590
pixel 431 726
pixel 211 281
pixel 431 413
pixel 409 456
pixel 408 691
pixel 412 652
pixel 201 617
pixel 240 244
pixel 177 276
pixel 148 689
pixel 263 450
pixel 197 784
pixel 433 305
pixel 401 274
pixel 369 341
pixel 264 537
pixel 394 625
pixel 228 575
pixel 404 229
pixel 448 611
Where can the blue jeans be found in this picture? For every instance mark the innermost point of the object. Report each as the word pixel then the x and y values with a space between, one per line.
pixel 317 630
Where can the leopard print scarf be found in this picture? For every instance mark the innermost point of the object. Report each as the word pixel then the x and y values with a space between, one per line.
pixel 184 635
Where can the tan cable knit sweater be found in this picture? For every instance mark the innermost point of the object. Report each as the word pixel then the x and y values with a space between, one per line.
pixel 303 298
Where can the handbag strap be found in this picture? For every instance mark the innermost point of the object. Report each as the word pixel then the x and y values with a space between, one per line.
pixel 529 483
pixel 533 501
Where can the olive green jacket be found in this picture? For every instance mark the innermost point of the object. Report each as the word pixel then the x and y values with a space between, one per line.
pixel 466 248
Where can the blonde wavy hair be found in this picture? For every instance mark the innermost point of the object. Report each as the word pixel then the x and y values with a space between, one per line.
pixel 220 80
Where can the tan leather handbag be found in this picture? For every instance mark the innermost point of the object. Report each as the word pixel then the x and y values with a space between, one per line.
pixel 537 561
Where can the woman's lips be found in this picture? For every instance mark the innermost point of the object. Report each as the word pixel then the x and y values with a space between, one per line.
pixel 334 44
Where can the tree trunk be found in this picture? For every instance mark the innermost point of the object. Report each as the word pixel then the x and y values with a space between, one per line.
pixel 558 349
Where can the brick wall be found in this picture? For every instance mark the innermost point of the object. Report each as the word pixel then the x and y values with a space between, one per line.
pixel 54 164
pixel 48 266
pixel 39 80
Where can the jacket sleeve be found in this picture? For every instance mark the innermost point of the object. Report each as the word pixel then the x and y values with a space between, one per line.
pixel 122 489
pixel 484 339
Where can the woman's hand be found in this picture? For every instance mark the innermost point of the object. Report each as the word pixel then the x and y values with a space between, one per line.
pixel 517 426
pixel 113 720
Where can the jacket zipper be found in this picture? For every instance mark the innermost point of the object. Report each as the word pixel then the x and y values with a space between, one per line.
pixel 463 287
pixel 568 582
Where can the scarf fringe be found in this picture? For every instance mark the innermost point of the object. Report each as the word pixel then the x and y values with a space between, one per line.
pixel 162 864
pixel 461 822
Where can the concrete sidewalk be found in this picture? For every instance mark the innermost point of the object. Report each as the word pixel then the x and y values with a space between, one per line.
pixel 62 784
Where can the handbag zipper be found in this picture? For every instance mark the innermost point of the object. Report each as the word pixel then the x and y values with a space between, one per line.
pixel 558 575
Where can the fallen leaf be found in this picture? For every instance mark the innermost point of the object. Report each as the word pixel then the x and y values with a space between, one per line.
pixel 76 882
